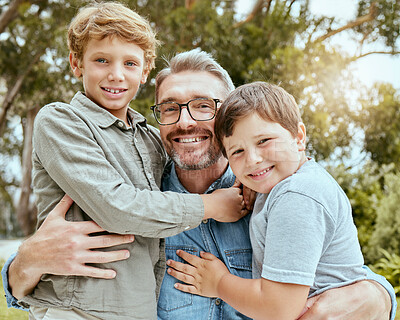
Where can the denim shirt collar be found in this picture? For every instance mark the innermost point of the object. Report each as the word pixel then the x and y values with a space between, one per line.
pixel 171 181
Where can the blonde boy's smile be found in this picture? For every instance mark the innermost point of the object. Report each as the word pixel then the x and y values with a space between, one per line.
pixel 112 70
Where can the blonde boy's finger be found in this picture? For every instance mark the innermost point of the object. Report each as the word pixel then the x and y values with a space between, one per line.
pixel 237 183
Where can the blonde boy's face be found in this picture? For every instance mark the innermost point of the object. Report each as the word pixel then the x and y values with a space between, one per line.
pixel 262 153
pixel 112 71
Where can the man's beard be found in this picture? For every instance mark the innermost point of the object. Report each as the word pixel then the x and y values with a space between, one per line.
pixel 205 160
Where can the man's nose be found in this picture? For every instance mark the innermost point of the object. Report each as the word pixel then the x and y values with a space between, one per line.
pixel 185 120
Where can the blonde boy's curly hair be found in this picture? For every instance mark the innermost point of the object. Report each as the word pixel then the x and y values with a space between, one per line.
pixel 100 20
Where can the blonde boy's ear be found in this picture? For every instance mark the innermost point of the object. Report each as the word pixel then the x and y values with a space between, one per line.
pixel 145 74
pixel 301 137
pixel 74 63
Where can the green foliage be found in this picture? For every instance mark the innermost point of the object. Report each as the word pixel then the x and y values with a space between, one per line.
pixel 380 121
pixel 386 233
pixel 389 267
pixel 364 189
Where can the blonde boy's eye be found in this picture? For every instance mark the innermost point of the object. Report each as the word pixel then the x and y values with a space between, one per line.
pixel 101 60
pixel 131 64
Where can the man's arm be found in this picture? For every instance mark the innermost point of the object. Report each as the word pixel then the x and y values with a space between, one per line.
pixel 63 248
pixel 372 299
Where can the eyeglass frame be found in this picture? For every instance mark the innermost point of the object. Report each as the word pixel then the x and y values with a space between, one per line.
pixel 216 101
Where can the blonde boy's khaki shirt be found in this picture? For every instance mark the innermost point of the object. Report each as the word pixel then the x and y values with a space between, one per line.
pixel 113 174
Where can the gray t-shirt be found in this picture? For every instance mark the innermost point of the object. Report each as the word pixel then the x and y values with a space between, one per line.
pixel 302 232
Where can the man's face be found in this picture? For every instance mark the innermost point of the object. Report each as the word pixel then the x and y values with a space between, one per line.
pixel 191 144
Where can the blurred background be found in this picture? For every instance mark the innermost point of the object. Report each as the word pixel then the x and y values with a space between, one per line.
pixel 340 59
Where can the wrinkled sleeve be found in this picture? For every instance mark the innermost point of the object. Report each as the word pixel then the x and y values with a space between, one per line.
pixel 12 302
pixel 72 158
pixel 382 281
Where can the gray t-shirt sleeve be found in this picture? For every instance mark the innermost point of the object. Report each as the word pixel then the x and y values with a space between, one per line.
pixel 297 232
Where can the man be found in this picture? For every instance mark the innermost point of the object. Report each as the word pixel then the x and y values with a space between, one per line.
pixel 62 247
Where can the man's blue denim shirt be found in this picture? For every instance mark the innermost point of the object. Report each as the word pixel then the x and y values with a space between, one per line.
pixel 228 241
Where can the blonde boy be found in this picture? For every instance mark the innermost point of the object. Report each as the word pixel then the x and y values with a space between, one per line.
pixel 302 233
pixel 104 155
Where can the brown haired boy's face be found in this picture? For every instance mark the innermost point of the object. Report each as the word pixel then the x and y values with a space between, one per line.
pixel 262 153
pixel 112 71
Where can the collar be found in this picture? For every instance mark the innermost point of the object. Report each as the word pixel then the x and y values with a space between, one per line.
pixel 171 181
pixel 102 117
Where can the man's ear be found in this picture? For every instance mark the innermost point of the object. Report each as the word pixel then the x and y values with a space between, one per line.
pixel 74 63
pixel 301 137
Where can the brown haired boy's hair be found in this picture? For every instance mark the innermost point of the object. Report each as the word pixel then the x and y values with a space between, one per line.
pixel 101 20
pixel 271 102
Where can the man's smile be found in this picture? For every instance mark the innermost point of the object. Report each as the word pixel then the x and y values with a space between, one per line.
pixel 190 140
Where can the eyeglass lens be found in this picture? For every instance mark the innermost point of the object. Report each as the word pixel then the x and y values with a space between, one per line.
pixel 200 109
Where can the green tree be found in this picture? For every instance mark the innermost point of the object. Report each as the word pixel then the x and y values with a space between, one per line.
pixel 380 121
pixel 278 41
pixel 386 233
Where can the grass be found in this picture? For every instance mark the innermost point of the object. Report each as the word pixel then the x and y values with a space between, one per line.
pixel 6 313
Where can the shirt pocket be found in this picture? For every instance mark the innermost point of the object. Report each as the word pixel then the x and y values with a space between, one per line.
pixel 240 261
pixel 171 298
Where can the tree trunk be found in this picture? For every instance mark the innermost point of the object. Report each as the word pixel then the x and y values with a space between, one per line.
pixel 12 93
pixel 26 211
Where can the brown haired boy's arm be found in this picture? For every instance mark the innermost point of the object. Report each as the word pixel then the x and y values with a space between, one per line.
pixel 63 248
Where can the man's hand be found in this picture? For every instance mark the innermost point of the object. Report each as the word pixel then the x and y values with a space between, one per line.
pixel 63 248
pixel 362 300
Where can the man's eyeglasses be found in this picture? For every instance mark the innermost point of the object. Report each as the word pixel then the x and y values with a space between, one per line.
pixel 201 109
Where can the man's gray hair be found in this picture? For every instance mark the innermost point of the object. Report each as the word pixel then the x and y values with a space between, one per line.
pixel 198 61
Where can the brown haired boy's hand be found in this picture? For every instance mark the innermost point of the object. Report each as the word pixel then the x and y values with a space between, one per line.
pixel 200 275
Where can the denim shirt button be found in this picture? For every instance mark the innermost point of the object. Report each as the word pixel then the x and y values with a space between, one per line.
pixel 218 301
pixel 205 220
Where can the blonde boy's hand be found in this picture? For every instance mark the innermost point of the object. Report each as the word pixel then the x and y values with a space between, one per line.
pixel 201 276
pixel 225 205
pixel 249 195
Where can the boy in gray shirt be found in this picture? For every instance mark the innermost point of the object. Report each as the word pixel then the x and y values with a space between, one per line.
pixel 302 233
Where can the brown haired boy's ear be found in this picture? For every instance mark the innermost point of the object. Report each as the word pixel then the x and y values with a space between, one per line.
pixel 74 63
pixel 301 137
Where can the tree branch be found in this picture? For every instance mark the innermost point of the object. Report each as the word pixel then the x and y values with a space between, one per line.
pixel 257 8
pixel 10 14
pixel 374 52
pixel 373 12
